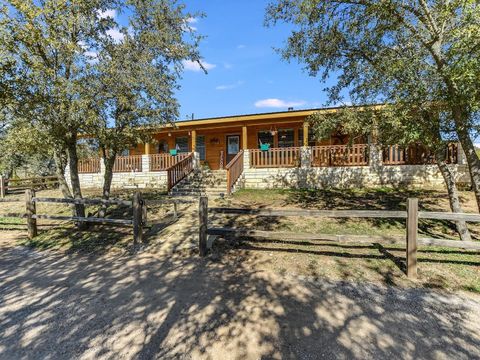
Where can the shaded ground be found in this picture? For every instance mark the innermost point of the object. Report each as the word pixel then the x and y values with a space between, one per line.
pixel 250 300
pixel 178 306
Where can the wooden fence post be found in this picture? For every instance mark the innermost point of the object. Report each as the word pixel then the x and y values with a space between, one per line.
pixel 2 186
pixel 175 210
pixel 31 210
pixel 412 234
pixel 137 218
pixel 203 217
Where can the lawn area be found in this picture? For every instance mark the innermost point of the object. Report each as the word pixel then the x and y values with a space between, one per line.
pixel 360 199
pixel 62 235
pixel 444 268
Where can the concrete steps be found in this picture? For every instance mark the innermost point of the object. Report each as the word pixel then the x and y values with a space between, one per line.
pixel 204 182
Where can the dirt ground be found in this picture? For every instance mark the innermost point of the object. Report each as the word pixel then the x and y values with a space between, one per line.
pixel 244 301
pixel 176 305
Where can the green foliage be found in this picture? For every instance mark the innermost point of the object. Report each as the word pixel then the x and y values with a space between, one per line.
pixel 135 78
pixel 62 75
pixel 409 54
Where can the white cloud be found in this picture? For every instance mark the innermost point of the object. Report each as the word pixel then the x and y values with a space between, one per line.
pixel 227 66
pixel 92 57
pixel 195 66
pixel 190 22
pixel 107 14
pixel 116 35
pixel 241 46
pixel 230 86
pixel 277 103
pixel 91 54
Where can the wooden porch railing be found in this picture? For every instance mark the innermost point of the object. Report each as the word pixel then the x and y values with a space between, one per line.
pixel 417 155
pixel 89 166
pixel 128 164
pixel 179 171
pixel 340 155
pixel 234 171
pixel 275 158
pixel 161 162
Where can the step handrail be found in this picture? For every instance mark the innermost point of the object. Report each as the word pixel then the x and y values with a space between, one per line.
pixel 234 171
pixel 179 171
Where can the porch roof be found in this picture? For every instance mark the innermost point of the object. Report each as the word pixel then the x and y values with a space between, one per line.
pixel 236 120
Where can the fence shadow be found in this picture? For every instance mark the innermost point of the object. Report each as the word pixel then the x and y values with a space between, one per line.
pixel 176 306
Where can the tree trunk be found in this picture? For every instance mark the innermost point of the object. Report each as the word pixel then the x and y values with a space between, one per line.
pixel 109 161
pixel 473 161
pixel 60 166
pixel 452 190
pixel 74 179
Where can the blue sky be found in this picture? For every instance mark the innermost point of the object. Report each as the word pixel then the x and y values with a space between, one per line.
pixel 245 74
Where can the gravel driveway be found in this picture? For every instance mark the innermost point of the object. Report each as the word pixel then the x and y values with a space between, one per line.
pixel 172 306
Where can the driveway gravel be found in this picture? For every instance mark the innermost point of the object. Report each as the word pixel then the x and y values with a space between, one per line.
pixel 175 305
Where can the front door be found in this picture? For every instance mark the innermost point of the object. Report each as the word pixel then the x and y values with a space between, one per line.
pixel 233 146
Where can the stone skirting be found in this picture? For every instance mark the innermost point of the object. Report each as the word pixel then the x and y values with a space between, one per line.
pixel 351 176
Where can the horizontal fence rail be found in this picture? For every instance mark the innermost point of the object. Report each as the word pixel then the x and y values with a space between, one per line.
pixel 340 155
pixel 89 166
pixel 137 220
pixel 84 201
pixel 131 163
pixel 412 216
pixel 276 158
pixel 20 184
pixel 318 213
pixel 179 171
pixel 161 162
pixel 234 171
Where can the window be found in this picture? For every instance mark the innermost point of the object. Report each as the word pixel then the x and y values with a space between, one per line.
pixel 125 152
pixel 163 147
pixel 265 137
pixel 286 138
pixel 201 147
pixel 311 137
pixel 181 144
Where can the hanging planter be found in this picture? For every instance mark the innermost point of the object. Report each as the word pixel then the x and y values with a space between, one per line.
pixel 264 147
pixel 173 152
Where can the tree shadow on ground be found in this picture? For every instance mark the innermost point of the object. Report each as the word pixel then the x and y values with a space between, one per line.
pixel 148 306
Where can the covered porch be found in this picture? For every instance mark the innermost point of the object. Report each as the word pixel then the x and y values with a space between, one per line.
pixel 265 150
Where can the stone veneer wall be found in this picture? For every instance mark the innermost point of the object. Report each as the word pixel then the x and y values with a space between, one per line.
pixel 355 176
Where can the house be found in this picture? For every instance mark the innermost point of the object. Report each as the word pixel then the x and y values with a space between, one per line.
pixel 269 150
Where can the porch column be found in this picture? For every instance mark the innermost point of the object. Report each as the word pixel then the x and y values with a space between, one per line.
pixel 244 137
pixel 461 157
pixel 375 158
pixel 148 149
pixel 194 140
pixel 246 159
pixel 145 163
pixel 305 133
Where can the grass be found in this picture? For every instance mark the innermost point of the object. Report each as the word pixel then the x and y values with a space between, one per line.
pixel 64 236
pixel 371 199
pixel 441 268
